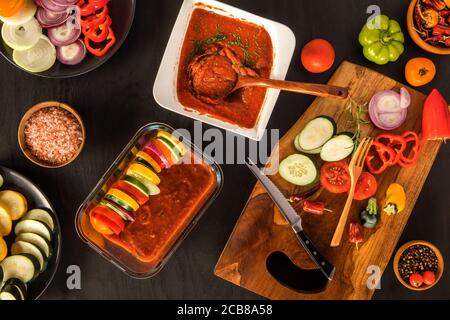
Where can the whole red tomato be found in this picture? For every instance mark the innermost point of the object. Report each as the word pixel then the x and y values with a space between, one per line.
pixel 429 278
pixel 416 280
pixel 318 56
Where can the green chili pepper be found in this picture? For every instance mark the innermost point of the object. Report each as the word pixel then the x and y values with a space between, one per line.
pixel 382 40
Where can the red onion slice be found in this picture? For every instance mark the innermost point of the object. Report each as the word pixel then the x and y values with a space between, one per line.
pixel 51 5
pixel 405 98
pixel 71 54
pixel 48 19
pixel 385 111
pixel 63 35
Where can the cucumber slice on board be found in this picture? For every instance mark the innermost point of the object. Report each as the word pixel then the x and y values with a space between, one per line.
pixel 38 241
pixel 42 216
pixel 338 148
pixel 34 226
pixel 299 169
pixel 316 133
pixel 299 149
pixel 24 267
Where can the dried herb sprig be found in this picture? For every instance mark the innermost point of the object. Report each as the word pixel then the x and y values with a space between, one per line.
pixel 357 111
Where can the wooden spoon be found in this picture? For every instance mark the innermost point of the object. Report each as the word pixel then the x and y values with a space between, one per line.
pixel 319 90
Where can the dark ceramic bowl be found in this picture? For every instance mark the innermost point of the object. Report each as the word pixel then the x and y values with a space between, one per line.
pixel 36 199
pixel 122 15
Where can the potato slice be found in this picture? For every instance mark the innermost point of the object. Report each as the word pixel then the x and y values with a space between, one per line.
pixel 5 222
pixel 14 202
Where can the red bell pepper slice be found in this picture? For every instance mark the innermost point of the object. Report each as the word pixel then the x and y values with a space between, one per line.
pixel 395 142
pixel 95 19
pixel 100 49
pixel 108 217
pixel 86 8
pixel 405 161
pixel 436 118
pixel 131 191
pixel 100 32
pixel 385 153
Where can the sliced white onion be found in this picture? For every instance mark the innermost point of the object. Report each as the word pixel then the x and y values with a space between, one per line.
pixel 23 36
pixel 23 16
pixel 405 98
pixel 39 58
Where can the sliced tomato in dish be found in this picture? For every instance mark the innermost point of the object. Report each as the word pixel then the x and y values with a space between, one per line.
pixel 99 226
pixel 366 187
pixel 129 188
pixel 109 218
pixel 334 177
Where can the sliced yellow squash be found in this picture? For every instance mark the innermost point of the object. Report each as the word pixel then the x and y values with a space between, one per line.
pixel 5 222
pixel 147 173
pixel 3 249
pixel 14 202
pixel 123 197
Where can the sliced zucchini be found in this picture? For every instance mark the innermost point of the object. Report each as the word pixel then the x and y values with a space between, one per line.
pixel 10 293
pixel 338 148
pixel 136 184
pixel 42 216
pixel 115 207
pixel 1 181
pixel 34 226
pixel 38 241
pixel 151 187
pixel 5 221
pixel 316 133
pixel 22 287
pixel 122 199
pixel 297 146
pixel 24 267
pixel 14 202
pixel 20 247
pixel 299 169
pixel 171 146
pixel 176 142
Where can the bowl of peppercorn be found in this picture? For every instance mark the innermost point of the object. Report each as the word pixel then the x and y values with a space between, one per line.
pixel 418 265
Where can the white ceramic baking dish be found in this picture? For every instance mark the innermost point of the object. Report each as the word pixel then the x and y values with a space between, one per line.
pixel 165 87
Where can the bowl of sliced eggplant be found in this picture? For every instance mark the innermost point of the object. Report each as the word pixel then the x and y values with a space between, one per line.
pixel 30 238
pixel 65 38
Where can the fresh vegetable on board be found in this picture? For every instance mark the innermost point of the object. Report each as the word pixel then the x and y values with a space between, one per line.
pixel 395 201
pixel 390 149
pixel 369 216
pixel 335 177
pixel 388 109
pixel 315 134
pixel 436 118
pixel 318 56
pixel 355 234
pixel 315 207
pixel 299 170
pixel 382 40
pixel 366 187
pixel 420 71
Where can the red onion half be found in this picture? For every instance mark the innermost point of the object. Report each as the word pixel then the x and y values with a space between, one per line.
pixel 386 110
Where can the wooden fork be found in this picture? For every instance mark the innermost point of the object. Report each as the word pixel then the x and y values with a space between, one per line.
pixel 355 169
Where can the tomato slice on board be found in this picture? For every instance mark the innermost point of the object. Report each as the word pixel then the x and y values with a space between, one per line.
pixel 109 218
pixel 334 177
pixel 132 191
pixel 366 187
pixel 99 226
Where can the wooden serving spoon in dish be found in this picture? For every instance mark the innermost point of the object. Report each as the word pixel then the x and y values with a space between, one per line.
pixel 218 72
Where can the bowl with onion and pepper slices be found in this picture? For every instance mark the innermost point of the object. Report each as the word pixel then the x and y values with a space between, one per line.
pixel 122 15
pixel 439 268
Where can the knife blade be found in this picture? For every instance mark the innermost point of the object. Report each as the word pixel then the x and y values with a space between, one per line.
pixel 293 219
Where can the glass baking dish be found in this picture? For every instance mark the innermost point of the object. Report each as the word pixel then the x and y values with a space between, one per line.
pixel 121 258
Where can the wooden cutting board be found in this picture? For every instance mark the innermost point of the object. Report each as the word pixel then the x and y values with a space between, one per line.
pixel 243 261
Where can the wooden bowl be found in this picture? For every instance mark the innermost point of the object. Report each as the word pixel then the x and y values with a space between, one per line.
pixel 21 133
pixel 415 36
pixel 440 269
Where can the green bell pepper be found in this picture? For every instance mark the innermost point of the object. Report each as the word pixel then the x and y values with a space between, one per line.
pixel 382 40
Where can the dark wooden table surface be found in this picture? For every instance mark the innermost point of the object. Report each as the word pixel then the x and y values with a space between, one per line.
pixel 116 100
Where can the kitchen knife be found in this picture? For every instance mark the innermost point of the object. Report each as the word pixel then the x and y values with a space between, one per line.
pixel 293 219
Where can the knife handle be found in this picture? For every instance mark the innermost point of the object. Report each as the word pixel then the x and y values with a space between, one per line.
pixel 326 267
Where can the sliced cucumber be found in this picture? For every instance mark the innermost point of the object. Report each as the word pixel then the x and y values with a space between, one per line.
pixel 297 146
pixel 338 148
pixel 119 202
pixel 137 184
pixel 152 188
pixel 22 287
pixel 316 133
pixel 20 247
pixel 299 169
pixel 24 267
pixel 38 241
pixel 42 216
pixel 1 181
pixel 114 207
pixel 34 226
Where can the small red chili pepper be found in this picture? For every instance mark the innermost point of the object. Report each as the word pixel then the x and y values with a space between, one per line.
pixel 297 198
pixel 100 32
pixel 314 207
pixel 355 234
pixel 100 49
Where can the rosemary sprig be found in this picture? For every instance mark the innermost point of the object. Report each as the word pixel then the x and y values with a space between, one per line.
pixel 357 111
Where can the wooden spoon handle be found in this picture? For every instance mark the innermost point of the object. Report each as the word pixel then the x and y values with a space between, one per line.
pixel 320 90
pixel 338 233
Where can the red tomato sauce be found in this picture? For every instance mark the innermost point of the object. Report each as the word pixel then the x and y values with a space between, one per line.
pixel 184 190
pixel 252 44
